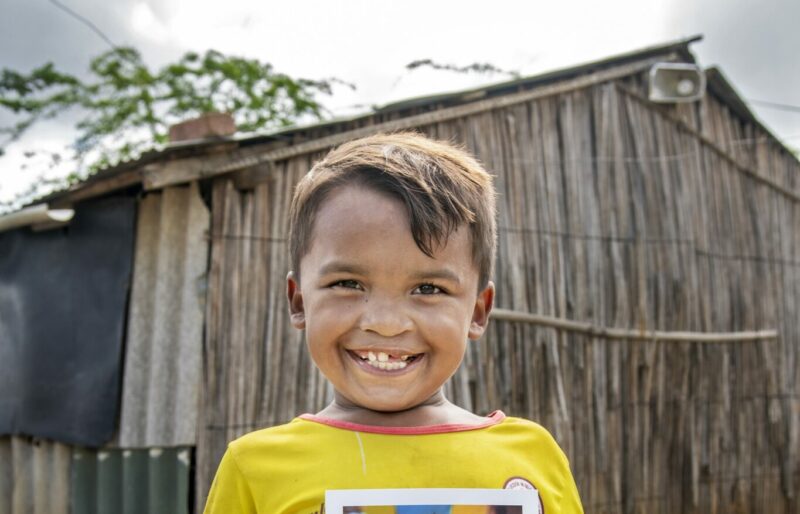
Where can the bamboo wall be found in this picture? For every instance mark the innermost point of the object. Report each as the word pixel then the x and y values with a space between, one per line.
pixel 612 211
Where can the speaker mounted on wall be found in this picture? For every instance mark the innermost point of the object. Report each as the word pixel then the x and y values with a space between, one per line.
pixel 676 82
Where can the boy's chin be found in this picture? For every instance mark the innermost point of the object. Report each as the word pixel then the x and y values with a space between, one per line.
pixel 380 407
pixel 386 406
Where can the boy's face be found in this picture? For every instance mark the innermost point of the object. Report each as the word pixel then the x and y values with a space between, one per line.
pixel 386 324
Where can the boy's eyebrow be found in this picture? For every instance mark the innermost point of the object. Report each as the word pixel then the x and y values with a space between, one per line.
pixel 442 274
pixel 341 267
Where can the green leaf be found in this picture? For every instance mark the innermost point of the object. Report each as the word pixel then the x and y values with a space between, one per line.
pixel 125 106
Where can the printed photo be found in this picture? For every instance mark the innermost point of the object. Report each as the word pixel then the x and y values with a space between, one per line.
pixel 432 501
pixel 435 509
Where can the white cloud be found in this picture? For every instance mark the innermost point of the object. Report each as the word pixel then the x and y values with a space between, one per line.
pixel 147 25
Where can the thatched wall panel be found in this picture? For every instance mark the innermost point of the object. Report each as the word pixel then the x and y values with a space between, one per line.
pixel 610 212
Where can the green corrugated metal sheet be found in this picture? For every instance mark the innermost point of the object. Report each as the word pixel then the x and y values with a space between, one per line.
pixel 155 481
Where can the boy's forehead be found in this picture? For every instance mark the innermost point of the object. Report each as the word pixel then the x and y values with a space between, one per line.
pixel 353 211
pixel 358 224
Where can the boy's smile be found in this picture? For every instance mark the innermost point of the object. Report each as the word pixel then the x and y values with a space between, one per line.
pixel 391 361
pixel 385 323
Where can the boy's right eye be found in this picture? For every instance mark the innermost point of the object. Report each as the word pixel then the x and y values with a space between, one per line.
pixel 346 284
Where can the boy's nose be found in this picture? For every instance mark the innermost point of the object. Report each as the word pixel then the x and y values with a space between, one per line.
pixel 384 317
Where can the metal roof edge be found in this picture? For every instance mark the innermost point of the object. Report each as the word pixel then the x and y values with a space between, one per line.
pixel 681 46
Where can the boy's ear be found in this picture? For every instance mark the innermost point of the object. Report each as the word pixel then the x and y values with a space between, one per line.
pixel 480 314
pixel 297 313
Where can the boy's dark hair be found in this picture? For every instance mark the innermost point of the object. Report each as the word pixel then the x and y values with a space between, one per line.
pixel 442 187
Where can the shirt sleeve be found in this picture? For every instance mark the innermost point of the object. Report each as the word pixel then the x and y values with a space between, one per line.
pixel 230 493
pixel 570 499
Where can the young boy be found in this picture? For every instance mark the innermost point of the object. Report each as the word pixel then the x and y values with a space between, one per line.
pixel 392 243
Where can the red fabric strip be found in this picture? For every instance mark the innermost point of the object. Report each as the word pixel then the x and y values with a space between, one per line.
pixel 492 419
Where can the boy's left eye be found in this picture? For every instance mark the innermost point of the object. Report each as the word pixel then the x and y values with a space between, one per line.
pixel 428 289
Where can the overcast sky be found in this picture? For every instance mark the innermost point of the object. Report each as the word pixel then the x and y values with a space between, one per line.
pixel 369 43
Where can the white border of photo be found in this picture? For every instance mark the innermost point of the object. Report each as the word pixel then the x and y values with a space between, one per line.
pixel 337 500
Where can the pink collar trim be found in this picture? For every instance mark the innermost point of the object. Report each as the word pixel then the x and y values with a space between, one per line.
pixel 492 419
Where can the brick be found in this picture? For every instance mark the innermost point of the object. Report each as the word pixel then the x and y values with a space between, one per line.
pixel 211 125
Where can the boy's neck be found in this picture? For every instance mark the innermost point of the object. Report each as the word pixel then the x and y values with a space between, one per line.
pixel 437 410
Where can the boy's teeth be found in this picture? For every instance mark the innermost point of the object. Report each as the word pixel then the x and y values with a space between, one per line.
pixel 387 365
pixel 383 360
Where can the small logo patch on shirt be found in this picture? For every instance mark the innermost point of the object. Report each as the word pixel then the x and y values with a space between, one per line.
pixel 519 483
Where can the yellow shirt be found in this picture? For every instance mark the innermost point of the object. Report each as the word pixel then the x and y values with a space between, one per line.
pixel 287 468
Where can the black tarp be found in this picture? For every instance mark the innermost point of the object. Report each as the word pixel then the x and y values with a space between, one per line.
pixel 63 297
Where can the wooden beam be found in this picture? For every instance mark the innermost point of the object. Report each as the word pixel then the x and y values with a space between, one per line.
pixel 159 175
pixel 83 191
pixel 632 334
pixel 180 171
pixel 248 178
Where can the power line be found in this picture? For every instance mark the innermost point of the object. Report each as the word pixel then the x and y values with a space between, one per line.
pixel 776 105
pixel 85 21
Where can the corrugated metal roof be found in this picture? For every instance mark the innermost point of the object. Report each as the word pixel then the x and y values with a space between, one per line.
pixel 155 481
pixel 165 322
pixel 199 147
pixel 34 476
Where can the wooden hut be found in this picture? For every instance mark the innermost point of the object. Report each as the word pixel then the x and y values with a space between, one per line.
pixel 647 275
